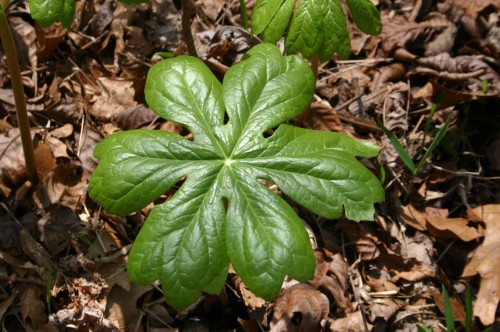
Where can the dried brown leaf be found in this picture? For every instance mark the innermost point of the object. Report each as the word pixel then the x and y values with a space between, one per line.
pixel 323 117
pixel 486 262
pixel 252 302
pixel 32 307
pixel 12 159
pixel 115 97
pixel 474 7
pixel 449 228
pixel 65 185
pixel 134 117
pixel 352 322
pixel 60 223
pixel 122 309
pixel 432 36
pixel 383 308
pixel 331 275
pixel 299 308
pixel 456 305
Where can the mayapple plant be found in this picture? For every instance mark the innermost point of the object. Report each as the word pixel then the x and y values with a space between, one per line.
pixel 223 213
pixel 315 27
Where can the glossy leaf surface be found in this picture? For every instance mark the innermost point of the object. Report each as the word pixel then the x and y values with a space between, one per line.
pixel 223 211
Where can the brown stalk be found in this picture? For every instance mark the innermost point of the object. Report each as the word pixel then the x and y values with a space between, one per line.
pixel 18 90
pixel 187 10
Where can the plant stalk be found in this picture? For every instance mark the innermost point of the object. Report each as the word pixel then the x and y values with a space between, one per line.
pixel 18 90
pixel 187 9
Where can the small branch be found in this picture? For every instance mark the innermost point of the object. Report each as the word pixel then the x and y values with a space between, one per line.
pixel 18 90
pixel 187 9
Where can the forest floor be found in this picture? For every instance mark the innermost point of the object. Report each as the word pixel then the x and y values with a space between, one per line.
pixel 63 258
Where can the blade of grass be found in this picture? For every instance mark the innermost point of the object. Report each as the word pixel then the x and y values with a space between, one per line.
pixel 448 311
pixel 468 309
pixel 421 328
pixel 403 155
pixel 439 136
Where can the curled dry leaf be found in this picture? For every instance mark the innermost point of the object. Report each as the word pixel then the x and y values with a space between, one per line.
pixel 60 223
pixel 323 117
pixel 474 7
pixel 33 309
pixel 134 117
pixel 252 302
pixel 486 262
pixel 352 322
pixel 65 185
pixel 89 296
pixel 331 275
pixel 399 33
pixel 441 227
pixel 299 308
pixel 12 159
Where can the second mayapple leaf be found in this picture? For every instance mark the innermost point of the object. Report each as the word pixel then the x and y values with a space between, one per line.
pixel 313 27
pixel 223 212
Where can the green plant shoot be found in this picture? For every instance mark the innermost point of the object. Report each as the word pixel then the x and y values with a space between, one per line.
pixel 223 212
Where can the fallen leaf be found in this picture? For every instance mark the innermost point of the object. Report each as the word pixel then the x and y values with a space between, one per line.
pixel 417 37
pixel 449 228
pixel 352 322
pixel 323 117
pixel 486 261
pixel 60 223
pixel 116 96
pixel 65 185
pixel 299 308
pixel 331 275
pixel 474 7
pixel 134 117
pixel 456 305
pixel 32 307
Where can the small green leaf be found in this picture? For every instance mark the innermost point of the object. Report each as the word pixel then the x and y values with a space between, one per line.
pixel 271 18
pixel 47 12
pixel 366 16
pixel 223 213
pixel 319 28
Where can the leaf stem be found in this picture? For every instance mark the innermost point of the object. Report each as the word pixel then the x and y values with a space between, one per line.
pixel 18 90
pixel 187 9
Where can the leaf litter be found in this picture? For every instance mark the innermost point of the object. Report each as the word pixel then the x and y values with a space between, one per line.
pixel 63 259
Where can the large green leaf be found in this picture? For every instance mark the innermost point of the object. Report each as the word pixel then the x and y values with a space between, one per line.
pixel 223 212
pixel 47 12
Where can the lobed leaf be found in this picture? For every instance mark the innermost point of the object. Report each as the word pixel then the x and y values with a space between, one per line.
pixel 319 28
pixel 222 213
